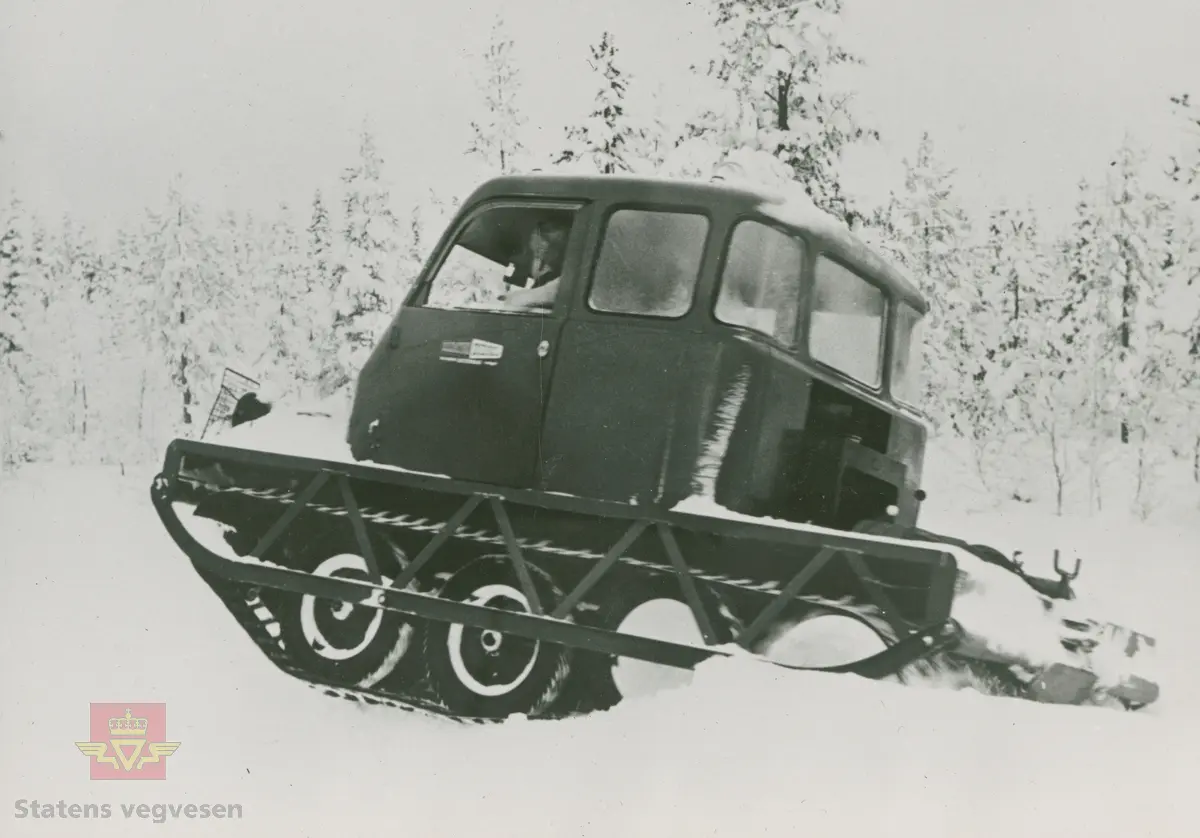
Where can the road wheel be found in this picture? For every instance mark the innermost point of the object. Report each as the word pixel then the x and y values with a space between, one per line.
pixel 486 673
pixel 343 643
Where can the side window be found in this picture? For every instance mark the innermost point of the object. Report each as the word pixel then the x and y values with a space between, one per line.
pixel 649 263
pixel 907 381
pixel 846 330
pixel 760 284
pixel 505 259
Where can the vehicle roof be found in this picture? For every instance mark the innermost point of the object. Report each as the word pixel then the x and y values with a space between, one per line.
pixel 796 213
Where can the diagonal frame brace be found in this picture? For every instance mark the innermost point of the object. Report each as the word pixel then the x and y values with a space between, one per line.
pixel 515 554
pixel 360 528
pixel 441 537
pixel 876 593
pixel 290 514
pixel 687 583
pixel 784 597
pixel 601 568
pixel 563 609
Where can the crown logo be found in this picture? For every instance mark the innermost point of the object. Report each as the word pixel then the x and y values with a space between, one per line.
pixel 127 725
pixel 122 746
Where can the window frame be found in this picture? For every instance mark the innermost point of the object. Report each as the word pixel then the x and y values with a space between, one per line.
pixel 804 279
pixel 418 297
pixel 648 206
pixel 885 323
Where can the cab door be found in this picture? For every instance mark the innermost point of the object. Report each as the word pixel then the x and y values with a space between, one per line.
pixel 459 386
pixel 629 359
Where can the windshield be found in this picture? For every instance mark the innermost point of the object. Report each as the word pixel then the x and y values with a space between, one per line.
pixel 908 359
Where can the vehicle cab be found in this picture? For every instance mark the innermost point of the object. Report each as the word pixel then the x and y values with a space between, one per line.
pixel 645 340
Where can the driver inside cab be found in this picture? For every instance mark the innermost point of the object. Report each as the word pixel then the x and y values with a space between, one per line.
pixel 540 263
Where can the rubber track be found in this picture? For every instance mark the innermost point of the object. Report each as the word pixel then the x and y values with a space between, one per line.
pixel 244 605
pixel 240 601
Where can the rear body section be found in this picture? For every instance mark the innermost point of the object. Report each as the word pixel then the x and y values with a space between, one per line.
pixel 794 446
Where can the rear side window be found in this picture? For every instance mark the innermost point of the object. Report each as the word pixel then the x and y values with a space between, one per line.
pixel 907 362
pixel 649 263
pixel 760 284
pixel 846 330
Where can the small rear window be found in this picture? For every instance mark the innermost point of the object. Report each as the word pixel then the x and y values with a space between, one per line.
pixel 907 362
pixel 649 263
pixel 846 329
pixel 760 284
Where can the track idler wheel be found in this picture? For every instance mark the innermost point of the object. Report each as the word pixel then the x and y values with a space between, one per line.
pixel 647 606
pixel 485 673
pixel 821 637
pixel 339 642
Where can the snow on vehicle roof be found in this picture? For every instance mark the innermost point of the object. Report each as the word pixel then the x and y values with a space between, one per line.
pixel 789 206
pixel 796 209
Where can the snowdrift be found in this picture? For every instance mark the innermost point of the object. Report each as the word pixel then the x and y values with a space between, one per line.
pixel 87 620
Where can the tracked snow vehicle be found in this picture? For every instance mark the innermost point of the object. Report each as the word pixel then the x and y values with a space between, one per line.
pixel 604 395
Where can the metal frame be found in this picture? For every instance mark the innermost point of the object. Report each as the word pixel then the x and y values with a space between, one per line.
pixel 936 633
pixel 800 535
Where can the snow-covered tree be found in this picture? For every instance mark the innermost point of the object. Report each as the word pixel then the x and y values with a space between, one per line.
pixel 927 232
pixel 17 304
pixel 1052 392
pixel 320 240
pixel 15 296
pixel 79 310
pixel 1119 261
pixel 189 300
pixel 496 135
pixel 1139 255
pixel 320 256
pixel 1015 280
pixel 427 220
pixel 992 325
pixel 365 282
pixel 1082 319
pixel 131 336
pixel 284 302
pixel 608 141
pixel 1185 167
pixel 777 93
pixel 1184 172
pixel 655 136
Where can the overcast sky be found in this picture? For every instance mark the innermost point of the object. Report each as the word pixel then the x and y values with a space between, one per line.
pixel 258 101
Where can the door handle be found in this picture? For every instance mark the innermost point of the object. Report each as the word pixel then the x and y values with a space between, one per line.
pixel 543 349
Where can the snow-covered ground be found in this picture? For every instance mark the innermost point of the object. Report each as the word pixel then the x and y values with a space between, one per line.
pixel 100 606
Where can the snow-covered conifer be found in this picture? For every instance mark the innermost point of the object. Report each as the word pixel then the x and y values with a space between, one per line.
pixel 1184 172
pixel 926 231
pixel 15 296
pixel 17 303
pixel 365 282
pixel 776 92
pixel 1185 167
pixel 496 134
pixel 285 302
pixel 189 302
pixel 608 140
